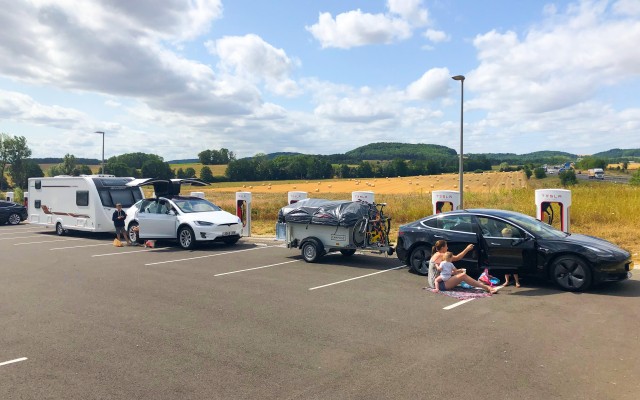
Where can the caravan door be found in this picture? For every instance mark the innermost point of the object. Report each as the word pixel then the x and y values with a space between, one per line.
pixel 156 220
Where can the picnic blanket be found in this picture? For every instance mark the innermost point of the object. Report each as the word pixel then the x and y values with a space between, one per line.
pixel 461 293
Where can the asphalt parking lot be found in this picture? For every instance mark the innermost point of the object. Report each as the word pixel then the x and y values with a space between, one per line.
pixel 82 319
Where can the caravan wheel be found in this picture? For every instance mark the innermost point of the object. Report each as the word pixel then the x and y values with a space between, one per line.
pixel 60 230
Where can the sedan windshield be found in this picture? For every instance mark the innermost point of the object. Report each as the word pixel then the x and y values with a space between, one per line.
pixel 195 205
pixel 536 227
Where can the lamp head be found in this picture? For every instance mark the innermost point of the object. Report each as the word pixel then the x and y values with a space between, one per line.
pixel 458 78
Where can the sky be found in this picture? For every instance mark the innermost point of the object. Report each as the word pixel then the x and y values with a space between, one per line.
pixel 175 77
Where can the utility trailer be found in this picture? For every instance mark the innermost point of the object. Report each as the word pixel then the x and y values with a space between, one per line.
pixel 318 227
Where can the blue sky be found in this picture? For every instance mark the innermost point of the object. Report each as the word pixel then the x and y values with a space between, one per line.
pixel 176 77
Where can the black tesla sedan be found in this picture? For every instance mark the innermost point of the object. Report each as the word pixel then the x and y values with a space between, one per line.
pixel 12 213
pixel 572 261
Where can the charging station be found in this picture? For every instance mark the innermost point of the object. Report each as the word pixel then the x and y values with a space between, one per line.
pixel 25 202
pixel 550 200
pixel 294 197
pixel 445 200
pixel 243 211
pixel 9 196
pixel 366 196
pixel 197 194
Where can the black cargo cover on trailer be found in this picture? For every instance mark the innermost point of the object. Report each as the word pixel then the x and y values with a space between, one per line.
pixel 324 212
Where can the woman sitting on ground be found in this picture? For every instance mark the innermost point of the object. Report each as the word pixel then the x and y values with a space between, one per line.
pixel 457 275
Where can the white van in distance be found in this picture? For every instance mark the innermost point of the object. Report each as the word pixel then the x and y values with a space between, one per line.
pixel 83 203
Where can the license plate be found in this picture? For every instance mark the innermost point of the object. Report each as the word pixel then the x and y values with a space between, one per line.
pixel 227 233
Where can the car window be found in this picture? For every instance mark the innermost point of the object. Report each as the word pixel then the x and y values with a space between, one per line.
pixel 4 204
pixel 457 222
pixel 195 205
pixel 492 227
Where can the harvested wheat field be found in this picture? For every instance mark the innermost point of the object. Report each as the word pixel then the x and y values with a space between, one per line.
pixel 485 182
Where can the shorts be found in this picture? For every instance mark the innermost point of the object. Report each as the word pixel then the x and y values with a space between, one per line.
pixel 120 229
pixel 441 286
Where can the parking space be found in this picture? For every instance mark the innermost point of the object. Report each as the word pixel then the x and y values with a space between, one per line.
pixel 85 320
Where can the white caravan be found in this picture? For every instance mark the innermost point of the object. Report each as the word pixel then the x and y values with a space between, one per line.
pixel 83 203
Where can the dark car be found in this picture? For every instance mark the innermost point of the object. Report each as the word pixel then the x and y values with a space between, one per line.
pixel 572 261
pixel 12 213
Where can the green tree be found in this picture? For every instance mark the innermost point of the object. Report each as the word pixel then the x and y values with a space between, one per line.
pixel 539 173
pixel 180 174
pixel 206 175
pixel 157 169
pixel 635 178
pixel 18 154
pixel 82 170
pixel 119 168
pixel 31 170
pixel 5 142
pixel 568 178
pixel 189 173
pixel 68 164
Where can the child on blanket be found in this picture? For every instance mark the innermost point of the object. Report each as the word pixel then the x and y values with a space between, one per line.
pixel 447 270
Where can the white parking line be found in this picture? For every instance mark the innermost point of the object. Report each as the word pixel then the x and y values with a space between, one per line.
pixel 357 277
pixel 252 269
pixel 21 237
pixel 85 245
pixel 207 256
pixel 26 230
pixel 454 305
pixel 129 252
pixel 46 241
pixel 13 361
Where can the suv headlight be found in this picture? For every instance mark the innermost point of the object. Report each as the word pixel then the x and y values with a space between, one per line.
pixel 203 223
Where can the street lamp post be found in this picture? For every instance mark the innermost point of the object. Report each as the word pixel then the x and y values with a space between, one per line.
pixel 460 165
pixel 102 165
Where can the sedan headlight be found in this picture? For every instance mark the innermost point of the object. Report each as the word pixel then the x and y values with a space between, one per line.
pixel 203 223
pixel 601 252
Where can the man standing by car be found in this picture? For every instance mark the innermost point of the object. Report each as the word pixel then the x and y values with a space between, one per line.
pixel 118 222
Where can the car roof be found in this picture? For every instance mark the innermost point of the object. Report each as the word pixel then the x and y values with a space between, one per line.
pixel 485 211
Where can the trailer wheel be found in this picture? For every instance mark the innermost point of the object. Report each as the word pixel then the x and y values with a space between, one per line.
pixel 311 250
pixel 348 252
pixel 60 230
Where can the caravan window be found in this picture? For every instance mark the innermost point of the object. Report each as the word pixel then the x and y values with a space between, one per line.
pixel 127 196
pixel 82 197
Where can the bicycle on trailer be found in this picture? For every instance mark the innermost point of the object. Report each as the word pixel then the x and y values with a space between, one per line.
pixel 373 229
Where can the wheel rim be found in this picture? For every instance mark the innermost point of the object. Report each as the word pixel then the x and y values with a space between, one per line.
pixel 570 273
pixel 309 251
pixel 14 219
pixel 59 229
pixel 132 234
pixel 419 259
pixel 185 238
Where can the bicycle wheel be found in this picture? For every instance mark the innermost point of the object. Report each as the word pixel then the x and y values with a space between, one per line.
pixel 359 230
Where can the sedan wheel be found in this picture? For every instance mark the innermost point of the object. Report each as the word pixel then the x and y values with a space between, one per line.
pixel 14 219
pixel 186 238
pixel 419 260
pixel 571 273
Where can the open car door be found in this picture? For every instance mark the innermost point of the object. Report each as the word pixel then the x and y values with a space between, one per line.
pixel 166 187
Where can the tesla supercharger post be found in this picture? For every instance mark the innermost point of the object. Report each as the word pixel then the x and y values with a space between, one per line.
pixel 243 211
pixel 367 197
pixel 10 196
pixel 445 200
pixel 197 194
pixel 25 199
pixel 547 198
pixel 294 197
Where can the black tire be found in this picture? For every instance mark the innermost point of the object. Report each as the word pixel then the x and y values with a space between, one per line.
pixel 14 219
pixel 186 238
pixel 60 230
pixel 571 273
pixel 133 235
pixel 419 260
pixel 231 240
pixel 359 234
pixel 348 252
pixel 312 250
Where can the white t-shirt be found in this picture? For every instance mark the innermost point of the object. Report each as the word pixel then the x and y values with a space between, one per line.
pixel 446 270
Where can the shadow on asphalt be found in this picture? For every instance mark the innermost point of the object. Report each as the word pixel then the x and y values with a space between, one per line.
pixel 532 286
pixel 359 261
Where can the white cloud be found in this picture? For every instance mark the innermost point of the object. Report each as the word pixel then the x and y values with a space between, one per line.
pixel 558 64
pixel 19 107
pixel 627 7
pixel 436 36
pixel 409 10
pixel 254 59
pixel 432 84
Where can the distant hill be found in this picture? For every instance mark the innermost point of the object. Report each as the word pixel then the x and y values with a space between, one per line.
pixel 271 156
pixel 404 151
pixel 541 157
pixel 618 153
pixel 53 160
